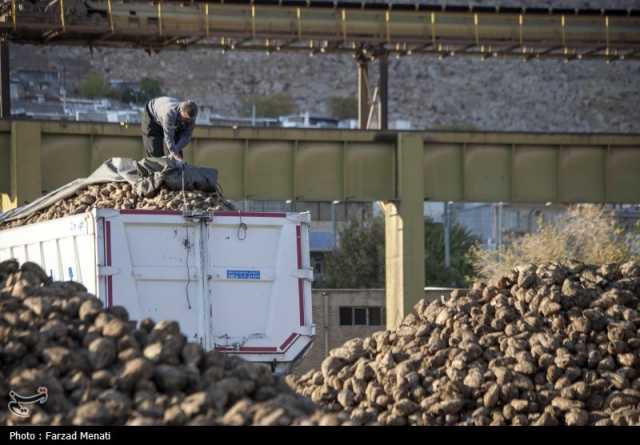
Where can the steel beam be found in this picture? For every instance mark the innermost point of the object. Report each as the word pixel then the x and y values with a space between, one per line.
pixel 411 29
pixel 25 174
pixel 363 91
pixel 5 91
pixel 404 233
pixel 383 91
pixel 361 165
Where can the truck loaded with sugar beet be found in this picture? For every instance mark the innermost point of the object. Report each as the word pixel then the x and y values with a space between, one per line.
pixel 237 282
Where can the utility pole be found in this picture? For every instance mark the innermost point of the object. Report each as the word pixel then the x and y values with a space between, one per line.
pixel 334 223
pixel 499 234
pixel 447 236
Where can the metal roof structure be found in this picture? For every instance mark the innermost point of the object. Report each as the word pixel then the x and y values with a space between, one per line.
pixel 319 26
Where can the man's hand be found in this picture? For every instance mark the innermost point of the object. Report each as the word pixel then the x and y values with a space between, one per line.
pixel 178 158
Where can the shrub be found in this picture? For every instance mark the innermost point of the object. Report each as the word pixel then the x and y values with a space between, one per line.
pixel 587 233
pixel 343 107
pixel 95 86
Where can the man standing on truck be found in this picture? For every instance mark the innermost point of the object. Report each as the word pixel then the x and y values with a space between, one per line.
pixel 167 125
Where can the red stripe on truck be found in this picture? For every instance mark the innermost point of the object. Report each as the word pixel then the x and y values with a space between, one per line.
pixel 107 234
pixel 288 341
pixel 107 230
pixel 300 281
pixel 256 349
pixel 260 349
pixel 299 245
pixel 110 294
pixel 301 300
pixel 148 212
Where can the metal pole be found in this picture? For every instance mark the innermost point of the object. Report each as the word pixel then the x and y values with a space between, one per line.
pixel 383 88
pixel 499 226
pixel 363 91
pixel 494 231
pixel 335 224
pixel 5 92
pixel 325 325
pixel 447 236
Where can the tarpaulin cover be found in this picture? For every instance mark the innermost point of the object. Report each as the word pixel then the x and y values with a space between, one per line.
pixel 146 177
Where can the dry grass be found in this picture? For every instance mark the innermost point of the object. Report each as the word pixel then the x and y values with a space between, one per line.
pixel 587 233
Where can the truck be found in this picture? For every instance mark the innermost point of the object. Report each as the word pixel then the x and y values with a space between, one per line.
pixel 237 282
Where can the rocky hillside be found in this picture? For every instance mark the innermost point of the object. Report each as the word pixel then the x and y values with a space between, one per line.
pixel 454 93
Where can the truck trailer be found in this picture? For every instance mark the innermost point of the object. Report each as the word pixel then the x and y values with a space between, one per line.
pixel 237 282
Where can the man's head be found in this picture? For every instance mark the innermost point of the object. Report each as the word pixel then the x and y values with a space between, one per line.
pixel 188 110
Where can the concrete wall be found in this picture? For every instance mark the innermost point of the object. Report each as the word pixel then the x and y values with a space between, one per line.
pixel 329 333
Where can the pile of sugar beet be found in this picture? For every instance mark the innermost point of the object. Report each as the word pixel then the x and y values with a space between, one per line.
pixel 121 195
pixel 100 370
pixel 546 345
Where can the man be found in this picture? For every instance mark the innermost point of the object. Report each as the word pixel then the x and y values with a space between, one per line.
pixel 167 125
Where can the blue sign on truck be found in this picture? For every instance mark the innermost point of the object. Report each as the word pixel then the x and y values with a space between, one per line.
pixel 243 274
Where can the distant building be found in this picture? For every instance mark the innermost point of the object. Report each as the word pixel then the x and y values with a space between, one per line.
pixel 348 124
pixel 16 89
pixel 628 215
pixel 230 121
pixel 121 86
pixel 27 83
pixel 207 115
pixel 495 223
pixel 125 116
pixel 401 124
pixel 308 121
pixel 36 110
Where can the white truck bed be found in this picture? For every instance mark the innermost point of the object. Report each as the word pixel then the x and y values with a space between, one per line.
pixel 238 282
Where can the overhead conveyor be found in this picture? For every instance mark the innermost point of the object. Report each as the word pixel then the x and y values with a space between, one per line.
pixel 329 27
pixel 371 31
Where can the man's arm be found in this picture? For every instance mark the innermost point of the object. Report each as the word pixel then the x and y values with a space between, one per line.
pixel 168 123
pixel 185 137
